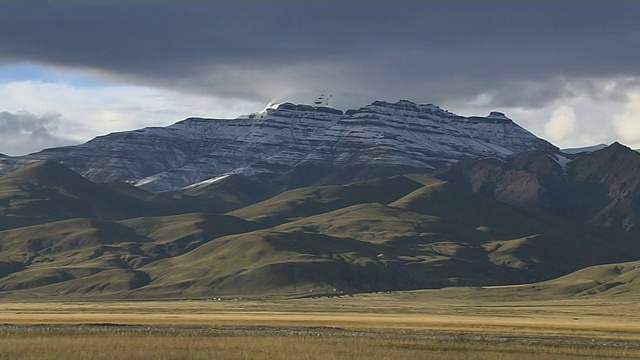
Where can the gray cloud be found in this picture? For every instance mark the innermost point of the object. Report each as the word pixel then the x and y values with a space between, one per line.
pixel 23 132
pixel 26 123
pixel 519 53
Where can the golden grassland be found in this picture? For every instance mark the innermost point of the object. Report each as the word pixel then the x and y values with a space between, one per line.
pixel 395 325
pixel 122 345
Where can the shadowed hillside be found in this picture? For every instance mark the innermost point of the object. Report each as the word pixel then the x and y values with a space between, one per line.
pixel 601 187
pixel 43 192
pixel 66 236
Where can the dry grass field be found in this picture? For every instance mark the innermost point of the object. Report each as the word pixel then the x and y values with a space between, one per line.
pixel 124 345
pixel 446 324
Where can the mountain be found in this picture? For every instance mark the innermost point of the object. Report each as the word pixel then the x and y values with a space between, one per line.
pixel 293 145
pixel 600 187
pixel 302 200
pixel 395 233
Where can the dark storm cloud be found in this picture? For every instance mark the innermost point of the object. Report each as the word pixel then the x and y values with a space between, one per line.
pixel 517 53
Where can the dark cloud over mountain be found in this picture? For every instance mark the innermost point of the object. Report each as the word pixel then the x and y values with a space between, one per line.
pixel 515 53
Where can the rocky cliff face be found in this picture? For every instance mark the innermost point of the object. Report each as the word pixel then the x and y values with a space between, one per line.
pixel 321 143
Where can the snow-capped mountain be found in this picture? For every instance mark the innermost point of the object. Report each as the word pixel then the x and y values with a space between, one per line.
pixel 391 137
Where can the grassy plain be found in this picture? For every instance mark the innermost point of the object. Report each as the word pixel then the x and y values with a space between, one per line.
pixel 122 345
pixel 446 324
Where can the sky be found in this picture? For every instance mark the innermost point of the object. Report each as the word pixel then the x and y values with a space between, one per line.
pixel 568 71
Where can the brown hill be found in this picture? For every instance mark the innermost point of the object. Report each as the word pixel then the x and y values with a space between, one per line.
pixel 602 187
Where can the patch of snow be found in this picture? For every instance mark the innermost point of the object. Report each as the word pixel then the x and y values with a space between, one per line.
pixel 206 182
pixel 146 180
pixel 562 161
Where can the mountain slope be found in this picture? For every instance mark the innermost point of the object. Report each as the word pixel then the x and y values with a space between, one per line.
pixel 620 279
pixel 422 240
pixel 300 145
pixel 599 187
pixel 220 195
pixel 304 202
pixel 617 280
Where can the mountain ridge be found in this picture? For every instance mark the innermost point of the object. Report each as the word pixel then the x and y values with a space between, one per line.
pixel 327 145
pixel 598 187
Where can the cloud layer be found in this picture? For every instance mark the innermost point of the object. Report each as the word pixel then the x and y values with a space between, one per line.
pixel 518 53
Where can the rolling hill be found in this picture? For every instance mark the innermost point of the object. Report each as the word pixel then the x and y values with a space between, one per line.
pixel 67 237
pixel 66 257
pixel 617 280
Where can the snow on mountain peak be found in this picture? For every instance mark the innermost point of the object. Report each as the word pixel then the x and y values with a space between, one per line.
pixel 394 137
